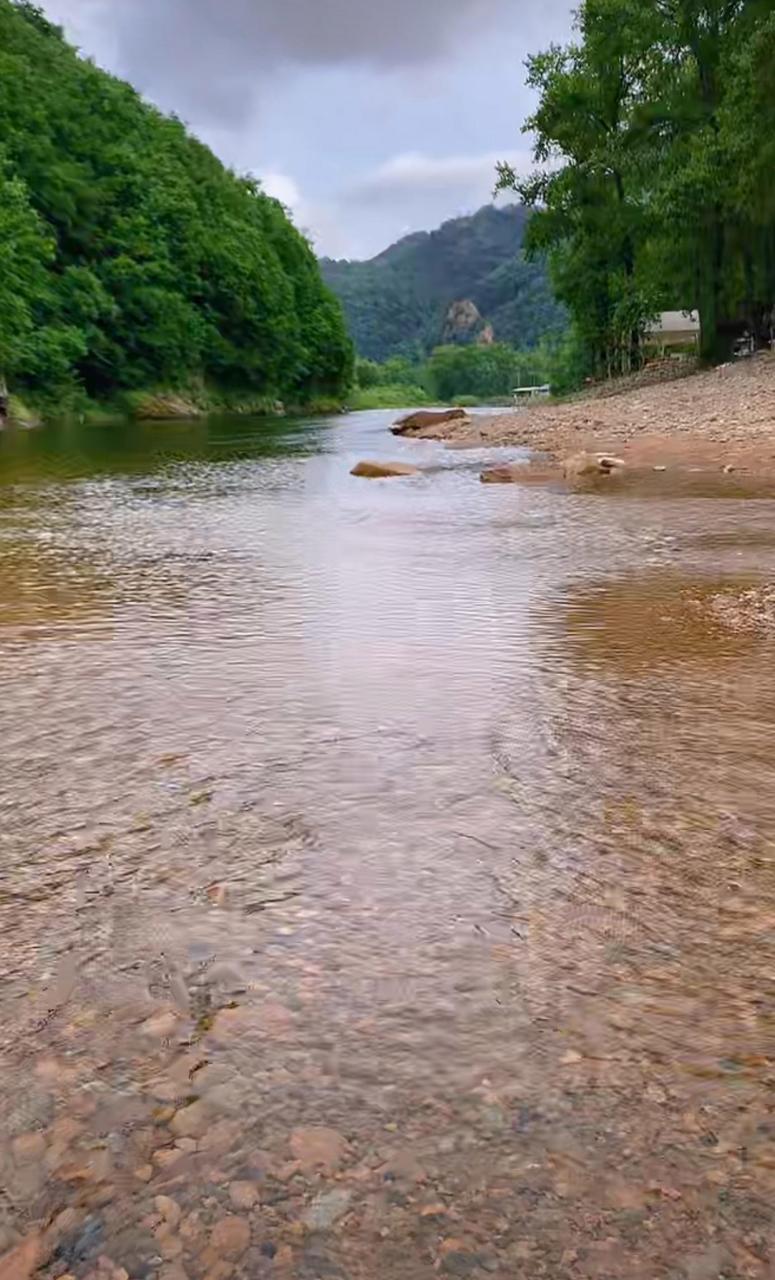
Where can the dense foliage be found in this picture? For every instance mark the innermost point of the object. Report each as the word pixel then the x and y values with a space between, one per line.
pixel 474 374
pixel 398 302
pixel 129 256
pixel 656 143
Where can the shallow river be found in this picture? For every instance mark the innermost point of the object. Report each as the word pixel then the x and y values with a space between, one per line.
pixel 387 869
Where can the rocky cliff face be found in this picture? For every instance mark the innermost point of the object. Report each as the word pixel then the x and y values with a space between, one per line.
pixel 463 322
pixel 425 289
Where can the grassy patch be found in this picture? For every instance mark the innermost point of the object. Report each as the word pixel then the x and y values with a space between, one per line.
pixel 397 396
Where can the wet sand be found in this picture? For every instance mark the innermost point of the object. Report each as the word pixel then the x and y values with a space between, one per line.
pixel 387 870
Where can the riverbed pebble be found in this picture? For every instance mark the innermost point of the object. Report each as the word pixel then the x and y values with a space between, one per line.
pixel 230 1236
pixel 318 1147
pixel 243 1195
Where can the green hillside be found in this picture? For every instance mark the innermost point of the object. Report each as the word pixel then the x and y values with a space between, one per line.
pixel 130 257
pixel 398 302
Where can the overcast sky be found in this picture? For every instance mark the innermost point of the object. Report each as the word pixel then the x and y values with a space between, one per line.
pixel 368 118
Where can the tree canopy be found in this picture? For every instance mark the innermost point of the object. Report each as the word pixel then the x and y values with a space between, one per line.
pixel 654 140
pixel 129 256
pixel 473 373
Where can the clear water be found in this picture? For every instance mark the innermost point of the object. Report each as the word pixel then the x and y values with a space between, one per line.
pixel 434 814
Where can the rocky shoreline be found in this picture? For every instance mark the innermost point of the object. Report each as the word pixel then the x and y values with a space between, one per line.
pixel 720 417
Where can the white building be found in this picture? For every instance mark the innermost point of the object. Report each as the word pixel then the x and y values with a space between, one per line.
pixel 674 329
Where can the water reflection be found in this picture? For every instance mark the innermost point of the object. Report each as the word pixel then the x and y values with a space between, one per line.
pixel 73 450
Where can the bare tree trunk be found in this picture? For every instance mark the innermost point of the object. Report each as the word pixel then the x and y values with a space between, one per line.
pixel 4 399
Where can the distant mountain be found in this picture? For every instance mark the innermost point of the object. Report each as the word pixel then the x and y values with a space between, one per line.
pixel 403 302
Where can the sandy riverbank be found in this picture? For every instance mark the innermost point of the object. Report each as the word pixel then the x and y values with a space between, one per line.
pixel 722 416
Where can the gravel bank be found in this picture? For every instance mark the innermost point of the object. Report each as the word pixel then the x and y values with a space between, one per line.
pixel 724 414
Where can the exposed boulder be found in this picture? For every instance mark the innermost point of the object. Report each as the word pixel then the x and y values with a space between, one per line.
pixel 423 418
pixel 383 470
pixel 163 407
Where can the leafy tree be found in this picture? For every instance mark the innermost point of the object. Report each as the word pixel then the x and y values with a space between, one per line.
pixel 367 374
pixel 698 40
pixel 34 337
pixel 747 140
pixel 590 217
pixel 484 372
pixel 653 155
pixel 144 261
pixel 24 255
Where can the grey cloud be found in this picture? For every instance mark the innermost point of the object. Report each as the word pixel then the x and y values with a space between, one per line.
pixel 408 192
pixel 369 118
pixel 413 173
pixel 210 55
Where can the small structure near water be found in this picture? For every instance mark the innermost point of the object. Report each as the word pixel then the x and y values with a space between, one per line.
pixel 674 329
pixel 521 394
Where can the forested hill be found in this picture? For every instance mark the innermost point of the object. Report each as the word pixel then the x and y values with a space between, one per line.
pixel 399 302
pixel 129 257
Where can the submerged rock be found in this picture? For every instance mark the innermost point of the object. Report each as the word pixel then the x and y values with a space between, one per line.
pixel 191 1121
pixel 383 470
pixel 230 1237
pixel 20 1263
pixel 505 473
pixel 327 1208
pixel 519 473
pixel 583 466
pixel 318 1147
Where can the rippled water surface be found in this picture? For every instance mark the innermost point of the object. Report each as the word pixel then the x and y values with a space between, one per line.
pixel 387 874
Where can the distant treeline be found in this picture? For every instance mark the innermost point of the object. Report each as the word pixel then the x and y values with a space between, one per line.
pixel 656 144
pixel 130 257
pixel 473 374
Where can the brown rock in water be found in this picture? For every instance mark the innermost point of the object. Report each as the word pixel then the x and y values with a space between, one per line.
pixel 383 470
pixel 160 1026
pixel 505 473
pixel 192 1121
pixel 28 1148
pixel 423 418
pixel 318 1147
pixel 230 1237
pixel 586 466
pixel 519 473
pixel 243 1195
pixel 20 1262
pixel 168 1209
